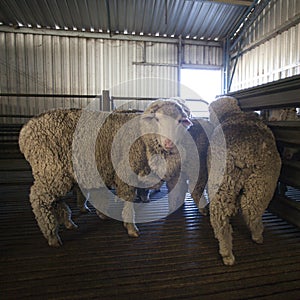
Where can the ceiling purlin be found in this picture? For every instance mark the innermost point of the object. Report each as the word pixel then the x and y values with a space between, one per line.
pixel 233 2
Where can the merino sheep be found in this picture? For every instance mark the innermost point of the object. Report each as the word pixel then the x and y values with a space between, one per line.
pixel 200 131
pixel 280 114
pixel 244 167
pixel 47 142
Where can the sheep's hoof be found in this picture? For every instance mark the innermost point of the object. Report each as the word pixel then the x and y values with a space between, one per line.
pixel 71 225
pixel 142 199
pixel 101 215
pixel 155 191
pixel 85 209
pixel 145 199
pixel 55 241
pixel 228 260
pixel 132 230
pixel 204 210
pixel 143 196
pixel 258 240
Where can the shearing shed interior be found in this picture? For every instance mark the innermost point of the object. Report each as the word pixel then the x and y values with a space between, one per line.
pixel 122 55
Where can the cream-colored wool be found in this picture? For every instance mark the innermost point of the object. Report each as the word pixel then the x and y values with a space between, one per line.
pixel 201 132
pixel 47 142
pixel 244 167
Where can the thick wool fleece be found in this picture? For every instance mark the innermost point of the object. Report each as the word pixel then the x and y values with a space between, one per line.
pixel 47 142
pixel 244 167
pixel 201 132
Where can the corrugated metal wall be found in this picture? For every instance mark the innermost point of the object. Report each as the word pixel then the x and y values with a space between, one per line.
pixel 47 64
pixel 34 63
pixel 272 46
pixel 206 55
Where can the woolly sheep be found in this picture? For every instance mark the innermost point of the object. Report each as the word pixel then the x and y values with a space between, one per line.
pixel 47 142
pixel 283 114
pixel 200 132
pixel 280 114
pixel 244 167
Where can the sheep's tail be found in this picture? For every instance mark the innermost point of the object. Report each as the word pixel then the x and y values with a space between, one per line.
pixel 238 172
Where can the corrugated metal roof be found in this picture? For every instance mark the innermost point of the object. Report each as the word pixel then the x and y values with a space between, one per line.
pixel 195 19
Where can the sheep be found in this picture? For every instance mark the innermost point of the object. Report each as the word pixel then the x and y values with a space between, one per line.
pixel 200 131
pixel 280 114
pixel 244 166
pixel 66 147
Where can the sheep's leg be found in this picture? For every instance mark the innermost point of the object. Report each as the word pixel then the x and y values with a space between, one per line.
pixel 143 195
pixel 177 188
pixel 222 231
pixel 282 188
pixel 128 216
pixel 254 223
pixel 64 214
pixel 252 215
pixel 202 204
pixel 198 192
pixel 41 203
pixel 127 194
pixel 81 200
pixel 254 202
pixel 101 215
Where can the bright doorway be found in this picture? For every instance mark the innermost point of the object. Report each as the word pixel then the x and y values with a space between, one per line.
pixel 200 84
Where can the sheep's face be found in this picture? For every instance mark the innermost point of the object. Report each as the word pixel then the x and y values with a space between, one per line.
pixel 169 130
pixel 168 122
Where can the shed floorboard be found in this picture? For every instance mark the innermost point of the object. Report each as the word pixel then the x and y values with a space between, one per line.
pixel 174 258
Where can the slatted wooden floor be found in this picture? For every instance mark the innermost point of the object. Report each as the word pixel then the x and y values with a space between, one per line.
pixel 174 258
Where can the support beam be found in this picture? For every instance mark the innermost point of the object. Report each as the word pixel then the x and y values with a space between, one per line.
pixel 105 36
pixel 235 2
pixel 226 60
pixel 232 2
pixel 251 15
pixel 108 18
pixel 180 59
pixel 286 209
pixel 106 101
pixel 276 94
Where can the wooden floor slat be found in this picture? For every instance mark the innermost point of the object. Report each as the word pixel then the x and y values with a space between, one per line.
pixel 174 258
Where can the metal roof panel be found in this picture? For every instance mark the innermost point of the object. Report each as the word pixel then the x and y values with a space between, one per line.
pixel 200 19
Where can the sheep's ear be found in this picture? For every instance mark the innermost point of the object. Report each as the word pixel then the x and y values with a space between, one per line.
pixel 155 106
pixel 148 116
pixel 186 122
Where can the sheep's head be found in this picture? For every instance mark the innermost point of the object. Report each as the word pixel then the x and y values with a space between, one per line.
pixel 221 108
pixel 167 120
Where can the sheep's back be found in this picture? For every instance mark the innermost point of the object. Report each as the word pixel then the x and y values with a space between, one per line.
pixel 49 133
pixel 249 145
pixel 110 135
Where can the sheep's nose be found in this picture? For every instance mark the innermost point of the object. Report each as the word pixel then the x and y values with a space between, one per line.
pixel 168 144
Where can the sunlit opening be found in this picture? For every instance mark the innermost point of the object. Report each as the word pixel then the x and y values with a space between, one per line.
pixel 200 84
